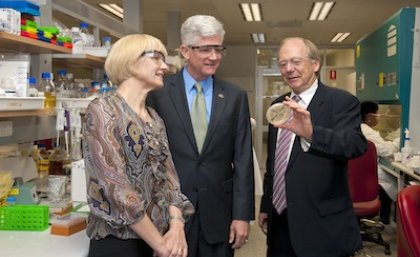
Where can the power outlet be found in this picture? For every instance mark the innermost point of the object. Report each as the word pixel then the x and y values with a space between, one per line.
pixel 6 128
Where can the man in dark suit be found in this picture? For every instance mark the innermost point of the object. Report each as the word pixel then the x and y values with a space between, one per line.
pixel 214 163
pixel 306 206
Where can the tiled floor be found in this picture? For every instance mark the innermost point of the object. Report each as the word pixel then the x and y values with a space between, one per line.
pixel 256 247
pixel 389 235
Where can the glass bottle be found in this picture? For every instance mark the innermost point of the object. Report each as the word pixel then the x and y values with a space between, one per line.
pixel 32 90
pixel 74 93
pixel 62 84
pixel 41 158
pixel 77 40
pixel 106 42
pixel 87 37
pixel 47 87
pixel 59 162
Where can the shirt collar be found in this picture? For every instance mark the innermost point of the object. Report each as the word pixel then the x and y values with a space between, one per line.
pixel 190 81
pixel 307 95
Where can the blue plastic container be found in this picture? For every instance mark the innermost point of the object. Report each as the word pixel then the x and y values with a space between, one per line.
pixel 21 6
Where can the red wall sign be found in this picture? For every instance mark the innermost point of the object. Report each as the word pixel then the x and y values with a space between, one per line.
pixel 333 74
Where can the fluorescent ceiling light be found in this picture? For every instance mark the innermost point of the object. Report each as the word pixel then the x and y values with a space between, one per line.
pixel 261 36
pixel 320 10
pixel 316 8
pixel 254 37
pixel 258 37
pixel 115 9
pixel 256 11
pixel 325 10
pixel 246 11
pixel 339 37
pixel 251 12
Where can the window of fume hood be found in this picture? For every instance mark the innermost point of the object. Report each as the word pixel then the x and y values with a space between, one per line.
pixel 390 121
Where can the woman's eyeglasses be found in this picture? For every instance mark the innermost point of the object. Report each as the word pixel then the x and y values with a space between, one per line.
pixel 158 56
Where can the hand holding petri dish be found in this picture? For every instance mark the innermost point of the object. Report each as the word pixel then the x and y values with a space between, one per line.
pixel 278 113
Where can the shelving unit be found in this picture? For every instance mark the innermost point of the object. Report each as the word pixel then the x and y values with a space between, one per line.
pixel 13 43
pixel 60 55
pixel 79 60
pixel 36 124
pixel 38 113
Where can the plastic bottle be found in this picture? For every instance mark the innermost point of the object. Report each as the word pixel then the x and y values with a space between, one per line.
pixel 33 87
pixel 47 88
pixel 87 37
pixel 77 40
pixel 406 151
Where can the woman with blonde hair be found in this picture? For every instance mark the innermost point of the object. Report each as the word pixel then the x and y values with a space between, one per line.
pixel 134 196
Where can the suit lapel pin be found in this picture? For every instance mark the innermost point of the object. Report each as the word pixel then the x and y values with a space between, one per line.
pixel 221 96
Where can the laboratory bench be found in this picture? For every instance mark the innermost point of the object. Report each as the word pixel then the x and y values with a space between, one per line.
pixel 404 174
pixel 43 244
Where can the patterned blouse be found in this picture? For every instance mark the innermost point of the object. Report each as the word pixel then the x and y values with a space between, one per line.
pixel 129 170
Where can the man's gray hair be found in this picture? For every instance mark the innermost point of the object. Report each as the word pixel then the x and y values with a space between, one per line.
pixel 198 26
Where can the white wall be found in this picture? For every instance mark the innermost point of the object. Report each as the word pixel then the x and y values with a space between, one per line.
pixel 342 61
pixel 238 67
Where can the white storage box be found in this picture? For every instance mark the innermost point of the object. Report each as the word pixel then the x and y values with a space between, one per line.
pixel 12 103
pixel 10 21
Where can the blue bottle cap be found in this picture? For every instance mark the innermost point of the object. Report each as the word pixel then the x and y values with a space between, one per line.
pixel 32 81
pixel 84 25
pixel 46 75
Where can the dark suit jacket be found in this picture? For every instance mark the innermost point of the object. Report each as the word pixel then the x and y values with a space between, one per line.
pixel 320 213
pixel 219 181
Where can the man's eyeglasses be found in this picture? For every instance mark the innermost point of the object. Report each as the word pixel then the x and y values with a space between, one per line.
pixel 295 62
pixel 156 55
pixel 209 49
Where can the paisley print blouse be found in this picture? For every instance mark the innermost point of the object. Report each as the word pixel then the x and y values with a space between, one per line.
pixel 129 170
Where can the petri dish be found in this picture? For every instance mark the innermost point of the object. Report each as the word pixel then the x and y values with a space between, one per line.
pixel 278 113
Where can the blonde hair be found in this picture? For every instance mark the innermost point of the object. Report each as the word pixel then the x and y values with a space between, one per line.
pixel 121 61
